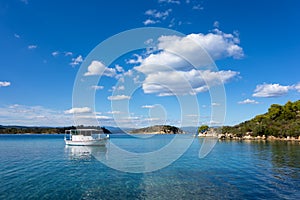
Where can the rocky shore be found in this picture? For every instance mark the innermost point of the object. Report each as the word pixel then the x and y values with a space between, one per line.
pixel 230 136
pixel 216 133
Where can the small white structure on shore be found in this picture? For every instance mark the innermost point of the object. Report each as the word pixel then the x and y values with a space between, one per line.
pixel 209 133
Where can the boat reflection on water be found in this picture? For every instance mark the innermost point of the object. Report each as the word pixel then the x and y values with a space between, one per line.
pixel 86 152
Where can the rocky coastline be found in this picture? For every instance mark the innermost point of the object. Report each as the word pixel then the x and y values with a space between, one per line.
pixel 230 136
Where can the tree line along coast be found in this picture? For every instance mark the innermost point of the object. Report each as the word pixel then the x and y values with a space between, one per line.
pixel 280 122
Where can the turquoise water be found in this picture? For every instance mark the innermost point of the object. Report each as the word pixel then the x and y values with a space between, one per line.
pixel 42 167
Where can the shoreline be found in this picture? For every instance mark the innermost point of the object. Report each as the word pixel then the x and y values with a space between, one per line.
pixel 252 138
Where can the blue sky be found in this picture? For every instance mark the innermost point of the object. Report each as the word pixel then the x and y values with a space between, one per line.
pixel 254 44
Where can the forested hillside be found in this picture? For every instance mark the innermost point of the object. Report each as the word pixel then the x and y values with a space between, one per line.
pixel 279 121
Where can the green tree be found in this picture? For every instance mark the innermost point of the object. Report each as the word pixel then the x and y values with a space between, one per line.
pixel 203 128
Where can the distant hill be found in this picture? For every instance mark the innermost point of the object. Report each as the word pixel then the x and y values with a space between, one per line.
pixel 159 129
pixel 279 121
pixel 40 130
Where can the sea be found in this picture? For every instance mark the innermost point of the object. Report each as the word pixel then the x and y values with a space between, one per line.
pixel 42 167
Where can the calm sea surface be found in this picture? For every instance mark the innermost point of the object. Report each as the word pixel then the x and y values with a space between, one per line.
pixel 42 167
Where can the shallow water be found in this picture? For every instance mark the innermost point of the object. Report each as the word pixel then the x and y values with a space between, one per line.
pixel 42 167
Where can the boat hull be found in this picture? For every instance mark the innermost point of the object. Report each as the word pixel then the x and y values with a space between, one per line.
pixel 100 142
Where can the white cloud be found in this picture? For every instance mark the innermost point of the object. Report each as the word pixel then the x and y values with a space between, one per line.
pixel 76 61
pixel 119 68
pixel 55 53
pixel 159 15
pixel 169 1
pixel 173 23
pixel 168 74
pixel 32 46
pixel 163 61
pixel 4 83
pixel 33 116
pixel 212 122
pixel 218 45
pixel 271 90
pixel 118 97
pixel 98 68
pixel 119 88
pixel 215 104
pixel 248 101
pixel 216 24
pixel 68 53
pixel 197 7
pixel 137 60
pixel 93 116
pixel 150 21
pixel 17 36
pixel 297 87
pixel 114 112
pixel 78 110
pixel 148 106
pixel 97 87
pixel 184 82
pixel 149 41
pixel 103 117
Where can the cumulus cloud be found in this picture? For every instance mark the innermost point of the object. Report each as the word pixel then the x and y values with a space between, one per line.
pixel 76 61
pixel 248 101
pixel 159 15
pixel 119 88
pixel 150 21
pixel 32 46
pixel 182 78
pixel 78 110
pixel 271 90
pixel 297 87
pixel 184 82
pixel 216 24
pixel 68 53
pixel 119 68
pixel 218 45
pixel 98 68
pixel 118 97
pixel 4 83
pixel 17 36
pixel 137 60
pixel 55 53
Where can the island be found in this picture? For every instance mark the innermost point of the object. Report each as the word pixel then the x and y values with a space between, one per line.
pixel 158 129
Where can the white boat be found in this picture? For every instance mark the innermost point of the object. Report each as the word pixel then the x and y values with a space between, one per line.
pixel 85 137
